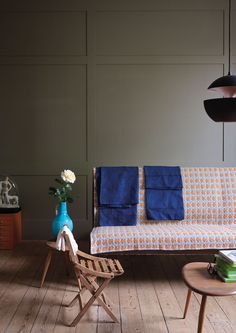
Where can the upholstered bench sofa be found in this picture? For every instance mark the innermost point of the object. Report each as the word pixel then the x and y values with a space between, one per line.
pixel 209 195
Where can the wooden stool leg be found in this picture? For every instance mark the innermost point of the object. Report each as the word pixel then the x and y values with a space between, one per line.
pixel 187 302
pixel 201 314
pixel 46 265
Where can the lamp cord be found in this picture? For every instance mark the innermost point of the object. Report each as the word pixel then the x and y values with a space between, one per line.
pixel 229 34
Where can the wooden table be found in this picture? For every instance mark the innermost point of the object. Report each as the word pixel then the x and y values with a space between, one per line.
pixel 198 279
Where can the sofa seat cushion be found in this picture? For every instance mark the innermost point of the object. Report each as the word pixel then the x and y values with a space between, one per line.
pixel 162 236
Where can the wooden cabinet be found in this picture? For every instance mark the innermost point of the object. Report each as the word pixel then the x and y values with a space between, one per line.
pixel 10 230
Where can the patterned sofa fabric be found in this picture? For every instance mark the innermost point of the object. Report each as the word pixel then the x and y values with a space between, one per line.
pixel 209 195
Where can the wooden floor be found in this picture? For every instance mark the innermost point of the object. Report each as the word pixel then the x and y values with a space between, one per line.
pixel 150 299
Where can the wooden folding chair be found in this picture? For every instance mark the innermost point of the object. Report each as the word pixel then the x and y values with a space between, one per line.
pixel 87 269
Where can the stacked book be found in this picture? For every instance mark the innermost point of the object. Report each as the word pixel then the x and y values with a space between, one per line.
pixel 226 265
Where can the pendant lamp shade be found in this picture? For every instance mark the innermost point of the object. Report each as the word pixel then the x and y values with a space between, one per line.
pixel 223 109
pixel 226 85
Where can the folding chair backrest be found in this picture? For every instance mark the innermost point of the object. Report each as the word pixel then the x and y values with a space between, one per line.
pixel 73 256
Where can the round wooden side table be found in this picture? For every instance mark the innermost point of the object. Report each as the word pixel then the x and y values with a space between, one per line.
pixel 197 278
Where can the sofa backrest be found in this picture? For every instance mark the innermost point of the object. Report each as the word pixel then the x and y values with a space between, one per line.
pixel 209 195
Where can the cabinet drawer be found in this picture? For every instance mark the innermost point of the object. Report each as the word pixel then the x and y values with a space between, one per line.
pixel 7 232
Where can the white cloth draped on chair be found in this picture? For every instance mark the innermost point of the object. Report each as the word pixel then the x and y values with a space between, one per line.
pixel 61 242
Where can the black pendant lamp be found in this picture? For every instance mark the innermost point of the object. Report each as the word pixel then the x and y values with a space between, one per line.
pixel 223 109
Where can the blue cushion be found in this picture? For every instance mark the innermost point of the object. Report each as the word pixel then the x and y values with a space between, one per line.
pixel 117 189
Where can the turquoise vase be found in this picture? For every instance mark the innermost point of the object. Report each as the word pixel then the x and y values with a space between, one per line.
pixel 61 219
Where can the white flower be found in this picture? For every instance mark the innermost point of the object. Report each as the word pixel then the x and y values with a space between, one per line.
pixel 68 176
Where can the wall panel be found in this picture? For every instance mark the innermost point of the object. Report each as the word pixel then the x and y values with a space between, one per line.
pixel 141 33
pixel 233 31
pixel 43 33
pixel 44 114
pixel 230 136
pixel 153 113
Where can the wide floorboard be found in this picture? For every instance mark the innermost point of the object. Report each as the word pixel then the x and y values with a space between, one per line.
pixel 149 297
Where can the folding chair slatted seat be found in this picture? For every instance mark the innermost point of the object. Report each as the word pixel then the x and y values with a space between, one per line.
pixel 87 269
pixel 102 265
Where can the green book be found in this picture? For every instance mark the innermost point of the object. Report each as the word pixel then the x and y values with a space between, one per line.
pixel 222 261
pixel 225 278
pixel 225 272
pixel 229 256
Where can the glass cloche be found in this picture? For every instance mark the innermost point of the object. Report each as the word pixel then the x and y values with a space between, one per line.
pixel 9 194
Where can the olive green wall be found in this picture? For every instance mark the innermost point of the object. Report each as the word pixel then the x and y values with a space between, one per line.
pixel 105 82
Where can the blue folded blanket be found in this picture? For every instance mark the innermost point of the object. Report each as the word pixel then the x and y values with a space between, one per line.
pixel 117 216
pixel 117 195
pixel 164 182
pixel 164 199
